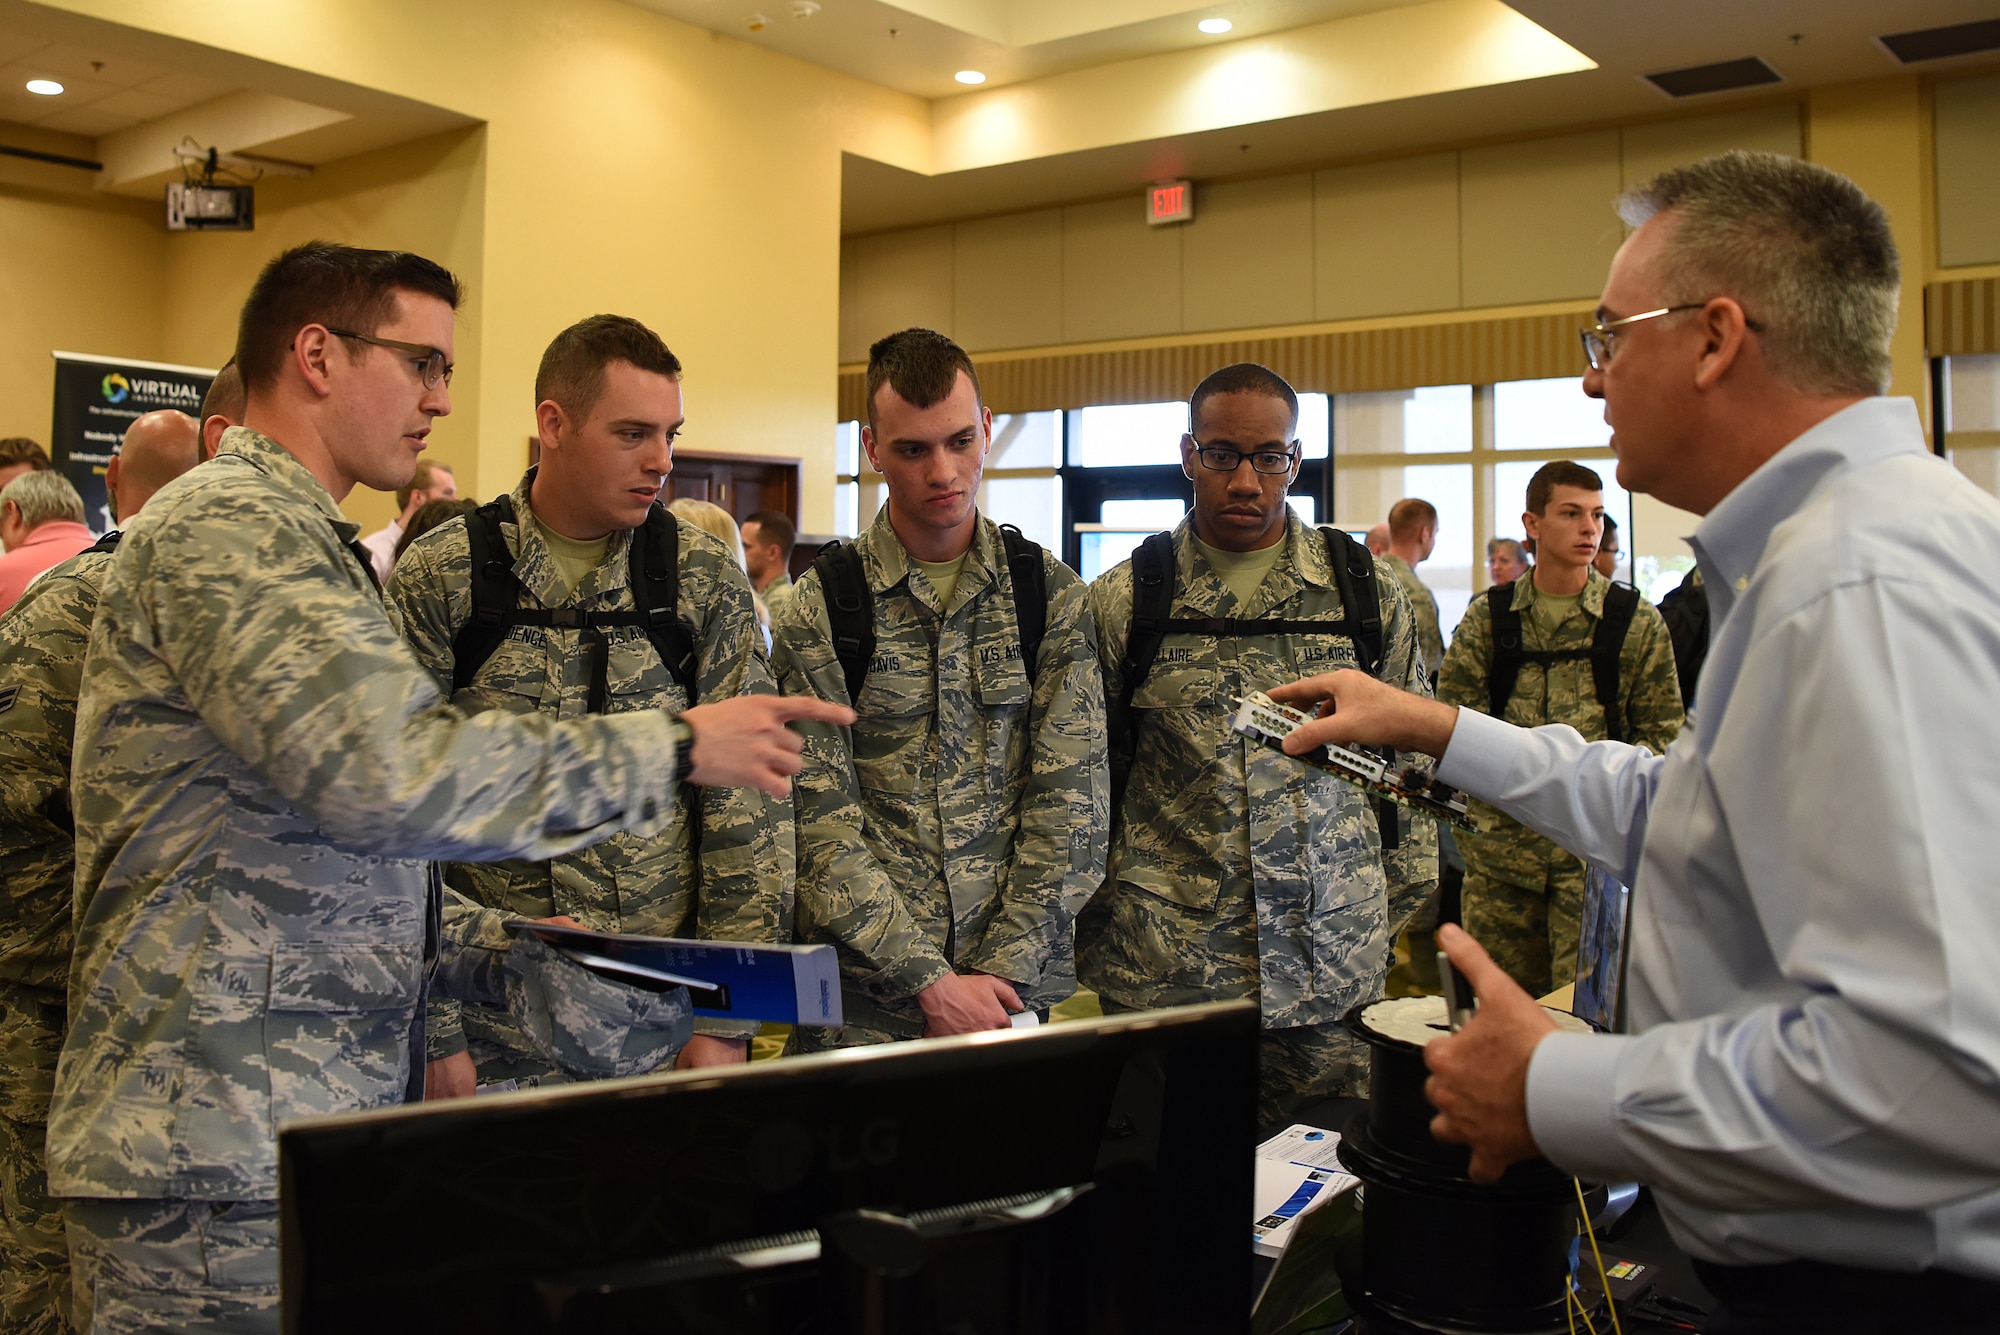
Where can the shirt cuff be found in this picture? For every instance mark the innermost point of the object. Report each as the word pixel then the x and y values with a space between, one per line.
pixel 1480 754
pixel 1573 1105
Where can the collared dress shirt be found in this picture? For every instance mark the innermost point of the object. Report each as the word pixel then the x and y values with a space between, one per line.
pixel 46 547
pixel 1813 1064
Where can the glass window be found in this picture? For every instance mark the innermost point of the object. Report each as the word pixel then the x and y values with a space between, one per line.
pixel 1103 550
pixel 846 496
pixel 1448 573
pixel 1305 506
pixel 1130 433
pixel 1436 419
pixel 1152 516
pixel 1026 440
pixel 1031 504
pixel 1972 418
pixel 1547 415
pixel 847 449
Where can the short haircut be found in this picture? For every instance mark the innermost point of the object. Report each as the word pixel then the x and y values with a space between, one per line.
pixel 1242 378
pixel 1610 529
pixel 42 497
pixel 1559 473
pixel 226 396
pixel 21 450
pixel 342 287
pixel 572 371
pixel 775 526
pixel 1807 253
pixel 429 515
pixel 421 480
pixel 922 366
pixel 1512 546
pixel 1408 517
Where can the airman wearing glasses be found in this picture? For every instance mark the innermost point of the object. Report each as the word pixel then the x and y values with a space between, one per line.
pixel 1235 872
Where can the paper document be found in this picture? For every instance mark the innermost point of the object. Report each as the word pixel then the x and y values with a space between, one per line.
pixel 732 980
pixel 1297 1172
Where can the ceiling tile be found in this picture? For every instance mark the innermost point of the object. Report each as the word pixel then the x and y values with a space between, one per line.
pixel 98 66
pixel 138 103
pixel 185 90
pixel 13 46
pixel 87 120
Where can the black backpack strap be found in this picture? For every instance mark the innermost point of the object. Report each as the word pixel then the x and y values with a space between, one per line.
pixel 1031 594
pixel 496 591
pixel 107 544
pixel 655 577
pixel 1607 645
pixel 1361 601
pixel 850 611
pixel 1508 654
pixel 1354 576
pixel 1152 602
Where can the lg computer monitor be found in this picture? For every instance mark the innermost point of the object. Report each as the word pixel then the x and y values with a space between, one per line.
pixel 1090 1177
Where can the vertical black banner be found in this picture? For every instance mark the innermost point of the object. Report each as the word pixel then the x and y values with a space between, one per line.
pixel 96 399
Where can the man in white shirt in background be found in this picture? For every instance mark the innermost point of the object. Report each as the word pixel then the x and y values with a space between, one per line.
pixel 1811 1076
pixel 433 482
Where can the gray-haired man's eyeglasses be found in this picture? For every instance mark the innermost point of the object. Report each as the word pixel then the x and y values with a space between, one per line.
pixel 429 361
pixel 1600 339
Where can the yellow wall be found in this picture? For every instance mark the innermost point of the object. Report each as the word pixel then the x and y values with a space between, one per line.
pixel 1470 229
pixel 79 272
pixel 631 163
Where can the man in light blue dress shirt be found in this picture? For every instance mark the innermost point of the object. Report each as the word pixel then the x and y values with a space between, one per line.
pixel 1811 1080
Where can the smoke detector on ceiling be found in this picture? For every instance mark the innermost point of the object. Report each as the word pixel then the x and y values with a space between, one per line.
pixel 804 9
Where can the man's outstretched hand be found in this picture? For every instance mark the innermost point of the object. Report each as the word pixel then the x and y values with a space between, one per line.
pixel 1355 708
pixel 1479 1075
pixel 744 743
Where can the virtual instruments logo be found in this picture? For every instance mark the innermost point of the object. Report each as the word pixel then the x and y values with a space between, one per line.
pixel 116 388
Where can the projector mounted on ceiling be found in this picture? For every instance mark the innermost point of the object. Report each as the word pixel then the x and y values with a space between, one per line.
pixel 199 202
pixel 211 208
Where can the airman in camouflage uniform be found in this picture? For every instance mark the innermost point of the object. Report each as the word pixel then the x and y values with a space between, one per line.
pixel 720 869
pixel 948 838
pixel 1424 608
pixel 42 640
pixel 959 824
pixel 1523 895
pixel 1235 871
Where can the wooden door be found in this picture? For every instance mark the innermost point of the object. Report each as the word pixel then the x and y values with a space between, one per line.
pixel 740 484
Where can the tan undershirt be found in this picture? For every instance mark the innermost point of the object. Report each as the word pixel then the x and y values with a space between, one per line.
pixel 1549 611
pixel 1242 572
pixel 943 575
pixel 573 559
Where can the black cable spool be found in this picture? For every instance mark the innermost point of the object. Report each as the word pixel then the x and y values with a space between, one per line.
pixel 1442 1254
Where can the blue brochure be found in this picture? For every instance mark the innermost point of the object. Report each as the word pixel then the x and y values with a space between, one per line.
pixel 728 980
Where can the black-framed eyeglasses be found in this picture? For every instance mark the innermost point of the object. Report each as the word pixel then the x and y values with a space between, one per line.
pixel 429 361
pixel 1222 459
pixel 1600 338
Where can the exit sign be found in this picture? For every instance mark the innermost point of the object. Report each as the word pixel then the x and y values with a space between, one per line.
pixel 1170 202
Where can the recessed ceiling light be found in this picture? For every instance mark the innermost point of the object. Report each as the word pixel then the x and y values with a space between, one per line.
pixel 1215 25
pixel 46 87
pixel 969 76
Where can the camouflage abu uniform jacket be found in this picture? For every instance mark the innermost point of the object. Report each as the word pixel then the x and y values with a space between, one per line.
pixel 1424 604
pixel 721 867
pixel 42 639
pixel 1236 871
pixel 1649 695
pixel 262 773
pixel 959 824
